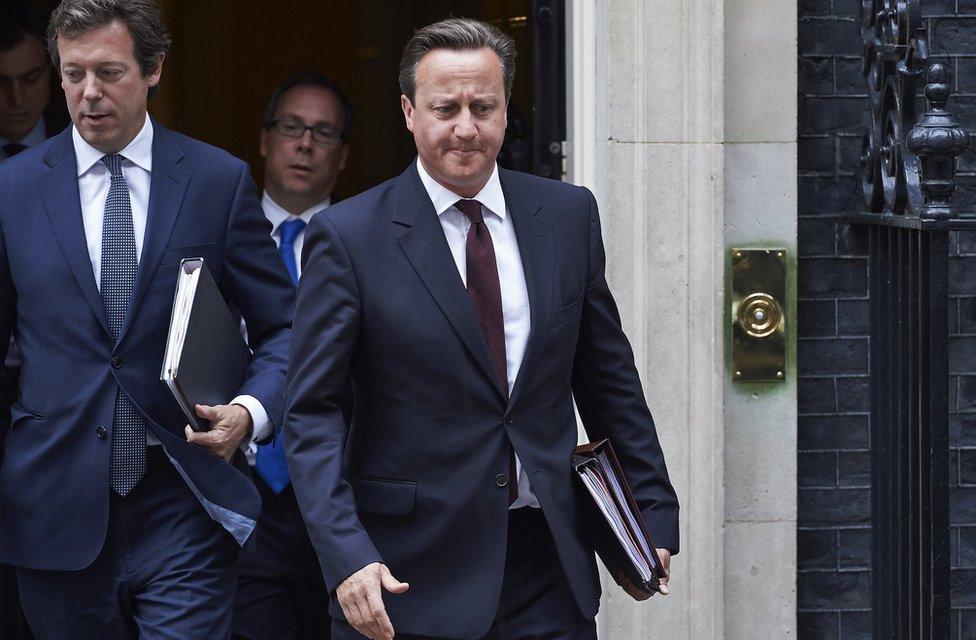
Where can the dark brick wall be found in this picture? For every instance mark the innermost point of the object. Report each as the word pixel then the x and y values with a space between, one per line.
pixel 834 536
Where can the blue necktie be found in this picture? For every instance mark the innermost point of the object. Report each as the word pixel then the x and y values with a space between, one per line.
pixel 116 281
pixel 270 464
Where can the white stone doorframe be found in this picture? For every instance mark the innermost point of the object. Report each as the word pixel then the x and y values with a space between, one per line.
pixel 683 123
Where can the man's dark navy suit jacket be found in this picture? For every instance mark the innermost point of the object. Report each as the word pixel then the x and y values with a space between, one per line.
pixel 54 487
pixel 401 467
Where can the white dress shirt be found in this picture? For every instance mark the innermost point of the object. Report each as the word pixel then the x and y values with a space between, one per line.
pixel 37 135
pixel 276 215
pixel 511 277
pixel 93 184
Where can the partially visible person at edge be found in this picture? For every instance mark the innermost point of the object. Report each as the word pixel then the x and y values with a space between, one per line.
pixel 446 321
pixel 25 120
pixel 120 519
pixel 305 144
pixel 25 80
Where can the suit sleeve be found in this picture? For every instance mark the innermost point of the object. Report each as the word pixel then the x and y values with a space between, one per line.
pixel 611 401
pixel 319 402
pixel 255 280
pixel 8 314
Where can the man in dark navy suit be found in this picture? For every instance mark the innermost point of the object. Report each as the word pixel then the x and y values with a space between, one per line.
pixel 305 144
pixel 121 520
pixel 446 321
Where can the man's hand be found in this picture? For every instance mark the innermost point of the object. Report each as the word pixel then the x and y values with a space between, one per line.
pixel 639 594
pixel 229 424
pixel 361 598
pixel 665 557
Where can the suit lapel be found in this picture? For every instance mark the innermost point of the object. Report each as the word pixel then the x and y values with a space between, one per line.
pixel 534 237
pixel 166 191
pixel 426 248
pixel 59 192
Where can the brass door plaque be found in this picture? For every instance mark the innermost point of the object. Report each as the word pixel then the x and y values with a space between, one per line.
pixel 758 314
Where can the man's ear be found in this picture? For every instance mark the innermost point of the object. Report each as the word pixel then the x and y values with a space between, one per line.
pixel 264 142
pixel 344 157
pixel 407 107
pixel 156 73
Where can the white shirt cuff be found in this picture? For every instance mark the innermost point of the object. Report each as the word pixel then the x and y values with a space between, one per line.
pixel 259 418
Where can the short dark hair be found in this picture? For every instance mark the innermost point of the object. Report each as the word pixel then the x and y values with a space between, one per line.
pixel 20 19
pixel 310 78
pixel 456 34
pixel 75 17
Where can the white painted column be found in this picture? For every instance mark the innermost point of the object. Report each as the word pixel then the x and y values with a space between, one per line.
pixel 760 91
pixel 684 124
pixel 649 97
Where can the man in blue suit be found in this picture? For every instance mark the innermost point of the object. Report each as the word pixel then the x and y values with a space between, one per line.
pixel 446 321
pixel 120 520
pixel 305 144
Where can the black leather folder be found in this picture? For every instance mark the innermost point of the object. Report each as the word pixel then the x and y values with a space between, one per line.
pixel 619 534
pixel 206 355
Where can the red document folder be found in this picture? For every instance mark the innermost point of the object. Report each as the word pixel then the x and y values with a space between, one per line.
pixel 619 533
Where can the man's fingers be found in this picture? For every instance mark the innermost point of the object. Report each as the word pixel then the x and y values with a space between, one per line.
pixel 361 598
pixel 378 612
pixel 201 437
pixel 390 583
pixel 204 411
pixel 211 441
pixel 665 557
pixel 358 616
pixel 354 616
pixel 372 626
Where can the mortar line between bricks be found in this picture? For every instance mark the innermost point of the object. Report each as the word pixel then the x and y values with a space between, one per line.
pixel 826 174
pixel 831 487
pixel 844 257
pixel 838 611
pixel 833 96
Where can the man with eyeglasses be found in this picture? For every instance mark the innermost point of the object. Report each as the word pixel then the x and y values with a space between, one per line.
pixel 304 142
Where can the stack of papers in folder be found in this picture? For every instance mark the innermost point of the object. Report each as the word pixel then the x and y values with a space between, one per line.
pixel 206 356
pixel 621 539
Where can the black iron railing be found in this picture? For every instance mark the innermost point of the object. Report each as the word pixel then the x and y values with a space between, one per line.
pixel 909 176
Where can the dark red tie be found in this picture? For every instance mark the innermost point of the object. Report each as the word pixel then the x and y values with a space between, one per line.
pixel 486 297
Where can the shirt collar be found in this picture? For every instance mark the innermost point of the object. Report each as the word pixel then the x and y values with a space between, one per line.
pixel 138 152
pixel 276 214
pixel 490 196
pixel 37 135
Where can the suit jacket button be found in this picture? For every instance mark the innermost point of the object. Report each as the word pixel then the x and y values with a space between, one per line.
pixel 509 419
pixel 101 432
pixel 501 480
pixel 116 362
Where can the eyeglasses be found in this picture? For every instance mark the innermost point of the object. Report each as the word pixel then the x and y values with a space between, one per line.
pixel 295 129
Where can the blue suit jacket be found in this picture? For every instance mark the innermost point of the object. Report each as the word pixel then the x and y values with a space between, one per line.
pixel 54 487
pixel 401 467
